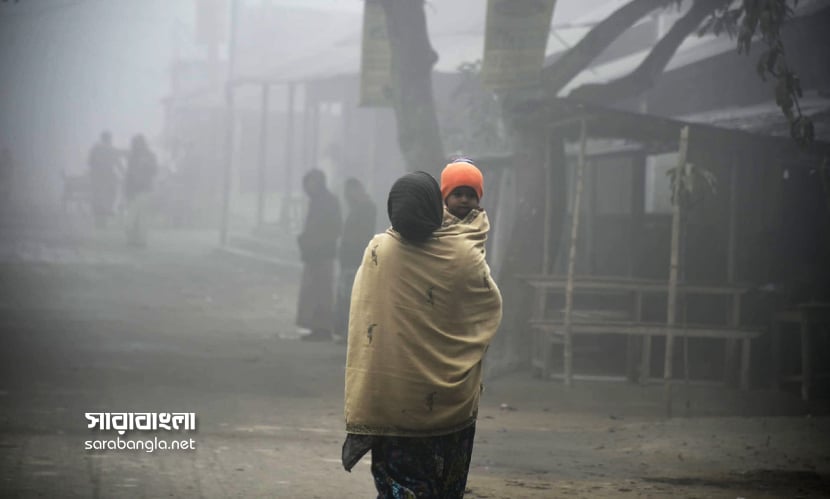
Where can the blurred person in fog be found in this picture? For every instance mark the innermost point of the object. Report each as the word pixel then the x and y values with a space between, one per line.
pixel 424 310
pixel 138 182
pixel 318 249
pixel 104 168
pixel 185 184
pixel 358 229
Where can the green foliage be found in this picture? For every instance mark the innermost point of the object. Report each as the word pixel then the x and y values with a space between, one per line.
pixel 763 19
pixel 695 183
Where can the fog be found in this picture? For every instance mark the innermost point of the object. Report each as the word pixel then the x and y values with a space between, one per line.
pixel 195 192
pixel 74 68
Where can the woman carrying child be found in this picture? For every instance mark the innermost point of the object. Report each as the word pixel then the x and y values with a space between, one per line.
pixel 424 310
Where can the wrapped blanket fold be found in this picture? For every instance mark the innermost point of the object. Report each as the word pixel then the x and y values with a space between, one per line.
pixel 422 317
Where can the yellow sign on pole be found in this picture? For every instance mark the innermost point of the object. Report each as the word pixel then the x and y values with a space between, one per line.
pixel 516 35
pixel 376 58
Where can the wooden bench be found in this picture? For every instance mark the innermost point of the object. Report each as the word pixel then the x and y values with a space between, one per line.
pixel 807 316
pixel 551 332
pixel 547 332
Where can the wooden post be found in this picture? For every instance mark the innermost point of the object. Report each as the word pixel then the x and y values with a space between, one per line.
pixel 346 123
pixel 746 349
pixel 806 358
pixel 263 158
pixel 541 292
pixel 638 186
pixel 372 150
pixel 733 208
pixel 229 125
pixel 288 180
pixel 776 354
pixel 591 175
pixel 227 166
pixel 634 373
pixel 569 288
pixel 673 270
pixel 547 215
pixel 314 135
pixel 730 346
pixel 684 298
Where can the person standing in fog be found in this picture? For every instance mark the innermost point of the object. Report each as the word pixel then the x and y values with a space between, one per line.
pixel 424 310
pixel 318 249
pixel 104 164
pixel 138 182
pixel 358 229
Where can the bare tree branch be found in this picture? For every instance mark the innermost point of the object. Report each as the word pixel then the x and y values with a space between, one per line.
pixel 647 73
pixel 558 74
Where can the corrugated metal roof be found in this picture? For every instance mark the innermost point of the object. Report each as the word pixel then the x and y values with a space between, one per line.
pixel 767 118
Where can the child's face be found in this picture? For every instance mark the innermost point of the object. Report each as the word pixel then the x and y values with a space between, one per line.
pixel 461 201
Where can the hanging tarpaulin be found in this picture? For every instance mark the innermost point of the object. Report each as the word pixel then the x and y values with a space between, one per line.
pixel 376 58
pixel 514 42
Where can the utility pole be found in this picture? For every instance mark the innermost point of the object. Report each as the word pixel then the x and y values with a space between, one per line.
pixel 227 164
pixel 285 215
pixel 263 158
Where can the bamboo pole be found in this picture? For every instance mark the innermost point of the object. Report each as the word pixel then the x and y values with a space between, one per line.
pixel 227 163
pixel 731 345
pixel 685 319
pixel 547 215
pixel 732 221
pixel 541 293
pixel 673 269
pixel 824 174
pixel 288 174
pixel 262 191
pixel 569 288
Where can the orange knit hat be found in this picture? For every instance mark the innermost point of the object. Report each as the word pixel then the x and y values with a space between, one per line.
pixel 461 174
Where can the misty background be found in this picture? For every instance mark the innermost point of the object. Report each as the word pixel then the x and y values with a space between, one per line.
pixel 204 320
pixel 73 68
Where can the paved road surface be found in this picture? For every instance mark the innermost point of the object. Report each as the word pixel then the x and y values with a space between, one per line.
pixel 90 326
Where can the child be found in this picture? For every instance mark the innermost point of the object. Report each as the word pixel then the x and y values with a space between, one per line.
pixel 462 186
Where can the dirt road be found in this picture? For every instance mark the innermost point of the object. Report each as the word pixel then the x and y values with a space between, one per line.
pixel 88 326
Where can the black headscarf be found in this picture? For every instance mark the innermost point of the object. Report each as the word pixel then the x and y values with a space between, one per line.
pixel 415 207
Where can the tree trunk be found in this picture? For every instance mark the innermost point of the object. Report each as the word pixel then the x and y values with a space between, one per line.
pixel 413 57
pixel 524 255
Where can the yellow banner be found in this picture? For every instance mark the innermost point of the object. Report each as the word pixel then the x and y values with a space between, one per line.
pixel 376 58
pixel 514 42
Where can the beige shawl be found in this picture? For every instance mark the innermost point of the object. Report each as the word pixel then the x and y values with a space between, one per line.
pixel 422 317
